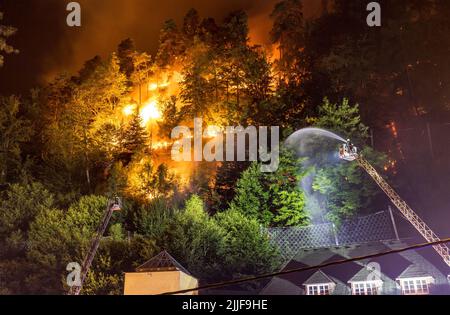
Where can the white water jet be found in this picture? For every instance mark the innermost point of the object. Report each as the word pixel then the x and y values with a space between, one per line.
pixel 301 134
pixel 304 140
pixel 315 145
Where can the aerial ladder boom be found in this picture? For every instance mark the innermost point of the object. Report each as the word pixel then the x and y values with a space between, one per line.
pixel 113 205
pixel 349 152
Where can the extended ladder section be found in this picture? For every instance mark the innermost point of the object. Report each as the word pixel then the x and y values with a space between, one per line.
pixel 111 207
pixel 407 212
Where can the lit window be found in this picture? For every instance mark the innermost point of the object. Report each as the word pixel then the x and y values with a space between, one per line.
pixel 415 286
pixel 366 288
pixel 318 289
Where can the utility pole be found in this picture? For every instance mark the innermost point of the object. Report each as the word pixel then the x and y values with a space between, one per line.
pixel 393 222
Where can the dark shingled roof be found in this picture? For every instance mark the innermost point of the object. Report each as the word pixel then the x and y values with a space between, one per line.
pixel 162 262
pixel 413 263
pixel 343 272
pixel 296 278
pixel 357 250
pixel 318 278
pixel 412 272
pixel 391 266
pixel 362 275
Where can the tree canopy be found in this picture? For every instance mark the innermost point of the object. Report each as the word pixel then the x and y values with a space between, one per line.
pixel 73 141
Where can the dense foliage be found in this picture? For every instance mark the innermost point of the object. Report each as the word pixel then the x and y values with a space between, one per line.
pixel 274 199
pixel 72 142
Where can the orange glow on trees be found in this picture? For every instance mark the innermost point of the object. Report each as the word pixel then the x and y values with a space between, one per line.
pixel 129 110
pixel 149 112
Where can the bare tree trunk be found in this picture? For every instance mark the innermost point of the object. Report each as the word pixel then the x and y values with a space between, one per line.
pixel 88 176
pixel 237 89
pixel 216 85
pixel 140 94
pixel 86 161
pixel 146 84
pixel 228 94
pixel 151 137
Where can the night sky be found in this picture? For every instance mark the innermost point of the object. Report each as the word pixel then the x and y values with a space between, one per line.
pixel 48 46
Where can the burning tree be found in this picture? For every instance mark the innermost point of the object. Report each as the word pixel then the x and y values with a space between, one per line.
pixel 94 133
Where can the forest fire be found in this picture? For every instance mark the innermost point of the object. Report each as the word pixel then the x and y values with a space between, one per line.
pixel 393 127
pixel 152 86
pixel 150 112
pixel 129 110
pixel 156 86
pixel 181 120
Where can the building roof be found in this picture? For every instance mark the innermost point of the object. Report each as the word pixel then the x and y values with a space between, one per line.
pixel 297 277
pixel 279 286
pixel 414 271
pixel 162 262
pixel 343 272
pixel 318 278
pixel 361 275
pixel 391 266
pixel 413 263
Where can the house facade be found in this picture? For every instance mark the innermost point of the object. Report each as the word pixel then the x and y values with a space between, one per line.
pixel 159 275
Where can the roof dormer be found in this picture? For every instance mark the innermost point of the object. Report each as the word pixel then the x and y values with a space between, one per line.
pixel 414 281
pixel 319 284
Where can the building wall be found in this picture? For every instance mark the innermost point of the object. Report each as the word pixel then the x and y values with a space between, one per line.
pixel 188 282
pixel 152 283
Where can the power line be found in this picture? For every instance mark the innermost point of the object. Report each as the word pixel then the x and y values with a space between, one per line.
pixel 337 262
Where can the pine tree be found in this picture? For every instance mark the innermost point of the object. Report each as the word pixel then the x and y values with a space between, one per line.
pixel 289 33
pixel 171 45
pixel 252 198
pixel 125 52
pixel 342 118
pixel 191 24
pixel 274 199
pixel 208 32
pixel 235 30
pixel 196 91
pixel 171 117
pixel 227 176
pixel 133 139
pixel 141 72
pixel 286 196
